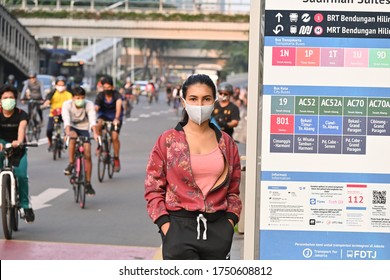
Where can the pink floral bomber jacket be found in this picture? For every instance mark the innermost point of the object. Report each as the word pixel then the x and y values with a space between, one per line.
pixel 170 185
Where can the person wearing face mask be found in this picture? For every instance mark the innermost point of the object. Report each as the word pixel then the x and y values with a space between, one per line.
pixel 55 99
pixel 192 180
pixel 225 112
pixel 33 90
pixel 108 105
pixel 79 118
pixel 13 123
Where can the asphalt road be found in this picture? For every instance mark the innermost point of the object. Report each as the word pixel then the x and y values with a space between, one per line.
pixel 117 214
pixel 114 223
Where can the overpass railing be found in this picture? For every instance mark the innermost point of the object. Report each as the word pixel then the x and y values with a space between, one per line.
pixel 17 45
pixel 182 6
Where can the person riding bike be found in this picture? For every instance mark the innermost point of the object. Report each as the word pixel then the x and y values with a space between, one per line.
pixel 33 90
pixel 79 117
pixel 128 98
pixel 55 99
pixel 11 81
pixel 108 105
pixel 226 113
pixel 13 123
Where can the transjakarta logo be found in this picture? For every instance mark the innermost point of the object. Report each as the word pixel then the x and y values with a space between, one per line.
pixel 357 254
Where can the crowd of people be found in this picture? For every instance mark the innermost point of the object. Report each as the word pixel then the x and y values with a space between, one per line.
pixel 193 173
pixel 79 117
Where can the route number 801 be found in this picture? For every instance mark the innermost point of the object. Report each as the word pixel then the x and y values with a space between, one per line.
pixel 282 120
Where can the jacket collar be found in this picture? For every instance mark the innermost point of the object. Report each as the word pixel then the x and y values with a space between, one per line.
pixel 218 133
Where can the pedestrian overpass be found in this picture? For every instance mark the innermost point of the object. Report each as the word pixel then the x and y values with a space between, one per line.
pixel 94 29
pixel 100 57
pixel 19 51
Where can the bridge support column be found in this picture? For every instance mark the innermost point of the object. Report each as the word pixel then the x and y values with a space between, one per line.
pixel 2 77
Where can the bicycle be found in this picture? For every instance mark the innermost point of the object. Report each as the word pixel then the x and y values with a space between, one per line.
pixel 10 205
pixel 106 154
pixel 34 126
pixel 78 177
pixel 56 140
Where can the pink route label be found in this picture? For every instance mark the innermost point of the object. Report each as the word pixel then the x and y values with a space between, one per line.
pixel 283 56
pixel 282 124
pixel 308 57
pixel 356 57
pixel 332 57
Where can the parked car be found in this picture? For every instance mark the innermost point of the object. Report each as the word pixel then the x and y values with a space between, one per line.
pixel 48 82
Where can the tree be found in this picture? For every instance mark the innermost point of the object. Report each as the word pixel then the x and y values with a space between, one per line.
pixel 151 47
pixel 236 52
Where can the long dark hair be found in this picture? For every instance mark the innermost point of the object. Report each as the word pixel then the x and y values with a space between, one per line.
pixel 196 79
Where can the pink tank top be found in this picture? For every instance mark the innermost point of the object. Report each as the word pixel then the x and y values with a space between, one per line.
pixel 207 168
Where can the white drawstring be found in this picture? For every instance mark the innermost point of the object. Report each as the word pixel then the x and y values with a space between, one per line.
pixel 204 221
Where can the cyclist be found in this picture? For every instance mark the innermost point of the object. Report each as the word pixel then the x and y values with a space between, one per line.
pixel 226 113
pixel 99 85
pixel 79 118
pixel 168 91
pixel 127 95
pixel 13 123
pixel 108 105
pixel 11 81
pixel 33 89
pixel 55 99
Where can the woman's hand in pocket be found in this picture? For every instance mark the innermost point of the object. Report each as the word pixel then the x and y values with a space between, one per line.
pixel 165 228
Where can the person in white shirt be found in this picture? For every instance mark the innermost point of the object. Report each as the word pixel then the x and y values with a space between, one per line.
pixel 79 117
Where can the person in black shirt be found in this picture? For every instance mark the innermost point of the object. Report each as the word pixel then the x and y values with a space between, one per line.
pixel 108 105
pixel 13 123
pixel 226 114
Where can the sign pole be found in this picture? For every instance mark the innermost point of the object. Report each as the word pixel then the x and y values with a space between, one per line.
pixel 253 138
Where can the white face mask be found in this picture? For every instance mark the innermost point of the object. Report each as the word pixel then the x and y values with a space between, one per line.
pixel 223 97
pixel 60 88
pixel 199 114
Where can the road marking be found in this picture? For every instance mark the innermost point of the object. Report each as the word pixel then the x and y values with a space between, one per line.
pixel 42 141
pixel 144 116
pixel 39 201
pixel 132 119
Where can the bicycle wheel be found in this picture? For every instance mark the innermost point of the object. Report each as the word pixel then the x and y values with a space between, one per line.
pixel 81 183
pixel 54 147
pixel 37 133
pixel 6 208
pixel 110 160
pixel 75 187
pixel 30 131
pixel 101 164
pixel 59 147
pixel 73 181
pixel 15 215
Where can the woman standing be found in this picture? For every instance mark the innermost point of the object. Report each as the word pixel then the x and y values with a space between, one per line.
pixel 192 180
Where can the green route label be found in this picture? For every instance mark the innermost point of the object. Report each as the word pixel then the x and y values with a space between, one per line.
pixel 306 105
pixel 379 107
pixel 354 106
pixel 331 106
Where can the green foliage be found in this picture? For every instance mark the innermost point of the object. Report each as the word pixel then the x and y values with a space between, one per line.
pixel 236 52
pixel 112 15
